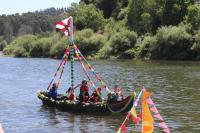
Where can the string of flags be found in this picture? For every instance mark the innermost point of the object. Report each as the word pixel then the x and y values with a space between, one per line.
pixel 57 70
pixel 148 109
pixel 92 70
pixel 64 27
pixel 148 113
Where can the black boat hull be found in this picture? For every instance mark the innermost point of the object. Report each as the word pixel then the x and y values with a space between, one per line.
pixel 75 106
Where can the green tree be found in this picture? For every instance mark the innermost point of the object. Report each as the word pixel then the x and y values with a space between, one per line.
pixel 173 42
pixel 193 16
pixel 87 16
pixel 174 11
pixel 144 13
pixel 110 8
pixel 122 41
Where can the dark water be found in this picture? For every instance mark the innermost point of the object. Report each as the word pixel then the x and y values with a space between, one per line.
pixel 175 87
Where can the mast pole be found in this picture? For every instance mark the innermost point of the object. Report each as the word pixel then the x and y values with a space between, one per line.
pixel 72 51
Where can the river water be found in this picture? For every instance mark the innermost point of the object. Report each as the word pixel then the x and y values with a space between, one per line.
pixel 175 87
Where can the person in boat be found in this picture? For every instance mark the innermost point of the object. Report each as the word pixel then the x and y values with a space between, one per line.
pixel 115 95
pixel 96 96
pixel 53 91
pixel 118 92
pixel 70 94
pixel 84 91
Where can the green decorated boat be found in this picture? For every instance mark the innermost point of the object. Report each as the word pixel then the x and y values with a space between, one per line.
pixel 72 52
pixel 76 106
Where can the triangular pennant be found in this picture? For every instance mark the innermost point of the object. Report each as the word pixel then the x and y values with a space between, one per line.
pixel 147 119
pixel 133 112
pixel 166 130
pixel 128 116
pixel 149 101
pixel 154 109
pixel 136 120
pixel 123 128
pixel 158 116
pixel 163 125
pixel 140 115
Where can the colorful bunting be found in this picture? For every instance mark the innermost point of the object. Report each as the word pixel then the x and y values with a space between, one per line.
pixel 149 101
pixel 62 60
pixel 92 70
pixel 133 112
pixel 123 128
pixel 147 119
pixel 163 125
pixel 137 99
pixel 158 116
pixel 166 130
pixel 154 109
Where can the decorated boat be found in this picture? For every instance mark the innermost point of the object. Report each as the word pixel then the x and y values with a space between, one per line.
pixel 77 106
pixel 72 52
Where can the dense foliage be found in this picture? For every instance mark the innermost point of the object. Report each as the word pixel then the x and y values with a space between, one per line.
pixel 122 29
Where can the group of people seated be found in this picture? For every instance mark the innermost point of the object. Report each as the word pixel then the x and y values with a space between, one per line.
pixel 84 93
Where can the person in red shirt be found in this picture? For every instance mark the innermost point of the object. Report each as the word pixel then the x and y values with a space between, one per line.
pixel 84 91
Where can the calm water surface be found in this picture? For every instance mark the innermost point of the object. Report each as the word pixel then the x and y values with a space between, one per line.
pixel 175 87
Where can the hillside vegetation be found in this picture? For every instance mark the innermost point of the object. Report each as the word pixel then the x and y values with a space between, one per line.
pixel 108 29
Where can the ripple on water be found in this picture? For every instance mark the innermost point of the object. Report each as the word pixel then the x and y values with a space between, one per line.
pixel 175 87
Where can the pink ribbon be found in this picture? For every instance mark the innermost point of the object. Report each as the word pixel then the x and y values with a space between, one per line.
pixel 163 125
pixel 158 116
pixel 154 109
pixel 149 101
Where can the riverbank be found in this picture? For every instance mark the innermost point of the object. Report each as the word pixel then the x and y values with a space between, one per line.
pixel 169 43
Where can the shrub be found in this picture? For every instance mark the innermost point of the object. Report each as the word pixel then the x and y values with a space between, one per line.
pixel 144 46
pixel 20 52
pixel 58 49
pixel 173 42
pixel 3 44
pixel 89 42
pixel 196 45
pixel 104 52
pixel 8 50
pixel 20 46
pixel 122 41
pixel 41 48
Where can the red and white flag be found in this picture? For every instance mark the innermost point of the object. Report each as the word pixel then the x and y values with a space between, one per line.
pixel 64 26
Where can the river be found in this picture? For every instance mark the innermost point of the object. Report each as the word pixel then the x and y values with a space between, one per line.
pixel 175 86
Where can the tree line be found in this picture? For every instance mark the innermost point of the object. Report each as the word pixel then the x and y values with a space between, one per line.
pixel 114 29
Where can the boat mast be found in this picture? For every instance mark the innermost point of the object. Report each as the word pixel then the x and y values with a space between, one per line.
pixel 72 51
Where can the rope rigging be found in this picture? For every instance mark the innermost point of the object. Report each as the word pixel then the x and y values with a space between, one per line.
pixel 73 51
